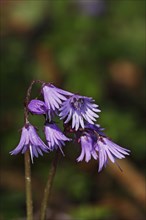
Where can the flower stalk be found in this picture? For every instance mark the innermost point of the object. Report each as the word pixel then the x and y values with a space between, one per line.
pixel 29 204
pixel 48 187
pixel 27 99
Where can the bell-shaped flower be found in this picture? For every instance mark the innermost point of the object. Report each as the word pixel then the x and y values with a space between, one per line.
pixel 37 107
pixel 54 136
pixel 77 109
pixel 30 141
pixel 54 96
pixel 109 150
pixel 87 148
pixel 94 143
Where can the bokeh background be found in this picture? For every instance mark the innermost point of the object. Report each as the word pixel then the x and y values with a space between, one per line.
pixel 95 48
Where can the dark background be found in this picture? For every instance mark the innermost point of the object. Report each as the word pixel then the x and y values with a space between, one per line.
pixel 95 48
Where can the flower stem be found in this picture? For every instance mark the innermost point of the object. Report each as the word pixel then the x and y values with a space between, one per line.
pixel 27 99
pixel 48 187
pixel 29 205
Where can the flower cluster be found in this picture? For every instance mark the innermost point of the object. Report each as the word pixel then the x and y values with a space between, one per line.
pixel 79 114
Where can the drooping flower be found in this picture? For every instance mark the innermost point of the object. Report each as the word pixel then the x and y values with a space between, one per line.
pixel 87 148
pixel 30 141
pixel 37 107
pixel 79 108
pixel 54 136
pixel 54 96
pixel 109 150
pixel 95 144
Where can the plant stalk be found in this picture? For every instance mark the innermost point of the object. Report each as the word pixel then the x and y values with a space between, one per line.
pixel 29 205
pixel 48 187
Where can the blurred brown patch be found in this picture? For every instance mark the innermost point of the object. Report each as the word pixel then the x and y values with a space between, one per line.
pixel 48 68
pixel 126 73
pixel 131 178
pixel 124 208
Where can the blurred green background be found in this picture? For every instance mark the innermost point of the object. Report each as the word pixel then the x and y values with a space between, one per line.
pixel 95 48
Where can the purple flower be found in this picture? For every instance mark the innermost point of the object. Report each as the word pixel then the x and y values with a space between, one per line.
pixel 54 96
pixel 79 108
pixel 95 144
pixel 37 107
pixel 30 141
pixel 109 150
pixel 87 151
pixel 54 136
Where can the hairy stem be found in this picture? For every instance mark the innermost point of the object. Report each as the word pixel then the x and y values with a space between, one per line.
pixel 29 205
pixel 48 187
